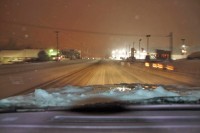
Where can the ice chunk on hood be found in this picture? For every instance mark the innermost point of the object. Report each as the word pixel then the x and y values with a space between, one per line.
pixel 146 94
pixel 70 95
pixel 43 98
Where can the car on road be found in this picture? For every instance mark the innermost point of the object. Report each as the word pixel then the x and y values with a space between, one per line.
pixel 163 65
pixel 56 58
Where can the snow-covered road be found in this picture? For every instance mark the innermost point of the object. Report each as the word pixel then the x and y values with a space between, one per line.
pixel 19 78
pixel 94 72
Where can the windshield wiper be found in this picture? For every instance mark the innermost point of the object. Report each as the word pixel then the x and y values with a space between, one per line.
pixel 167 100
pixel 20 109
pixel 110 106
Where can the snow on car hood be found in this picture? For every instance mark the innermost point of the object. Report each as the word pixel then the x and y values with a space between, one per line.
pixel 73 95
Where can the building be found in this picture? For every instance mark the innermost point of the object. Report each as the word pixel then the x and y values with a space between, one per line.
pixel 10 56
pixel 71 53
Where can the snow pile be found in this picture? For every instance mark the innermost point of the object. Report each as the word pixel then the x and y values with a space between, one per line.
pixel 188 66
pixel 70 95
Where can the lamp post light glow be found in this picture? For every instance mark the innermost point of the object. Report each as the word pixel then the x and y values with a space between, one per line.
pixel 183 47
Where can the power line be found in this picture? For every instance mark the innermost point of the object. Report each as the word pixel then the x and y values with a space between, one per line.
pixel 77 30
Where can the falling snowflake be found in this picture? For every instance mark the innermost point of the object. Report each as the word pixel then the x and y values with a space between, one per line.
pixel 137 17
pixel 7 13
pixel 13 33
pixel 26 35
pixel 23 28
pixel 18 4
pixel 89 5
pixel 66 6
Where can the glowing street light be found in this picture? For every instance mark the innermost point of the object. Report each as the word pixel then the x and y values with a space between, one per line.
pixel 50 50
pixel 183 47
pixel 113 52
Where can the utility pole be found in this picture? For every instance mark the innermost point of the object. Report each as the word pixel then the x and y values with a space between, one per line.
pixel 171 42
pixel 57 42
pixel 148 43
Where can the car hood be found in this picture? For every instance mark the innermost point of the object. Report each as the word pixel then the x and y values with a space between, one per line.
pixel 70 96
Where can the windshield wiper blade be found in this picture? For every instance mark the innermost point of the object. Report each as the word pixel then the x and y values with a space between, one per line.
pixel 32 109
pixel 171 100
pixel 117 104
pixel 21 109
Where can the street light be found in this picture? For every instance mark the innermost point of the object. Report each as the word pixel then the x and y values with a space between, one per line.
pixel 139 47
pixel 148 42
pixel 183 47
pixel 57 42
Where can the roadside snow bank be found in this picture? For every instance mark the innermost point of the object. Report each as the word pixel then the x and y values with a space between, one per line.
pixel 69 95
pixel 188 66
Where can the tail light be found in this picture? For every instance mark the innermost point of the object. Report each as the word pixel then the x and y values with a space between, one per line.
pixel 170 67
pixel 147 64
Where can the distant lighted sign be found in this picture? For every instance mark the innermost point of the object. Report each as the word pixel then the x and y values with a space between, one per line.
pixel 52 52
pixel 119 54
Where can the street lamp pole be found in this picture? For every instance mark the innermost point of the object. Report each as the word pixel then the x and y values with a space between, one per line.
pixel 139 47
pixel 132 50
pixel 148 42
pixel 57 42
pixel 183 41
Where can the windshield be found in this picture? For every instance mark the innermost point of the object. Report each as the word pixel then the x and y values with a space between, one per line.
pixel 74 52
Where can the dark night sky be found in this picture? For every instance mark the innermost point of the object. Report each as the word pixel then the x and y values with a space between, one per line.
pixel 32 23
